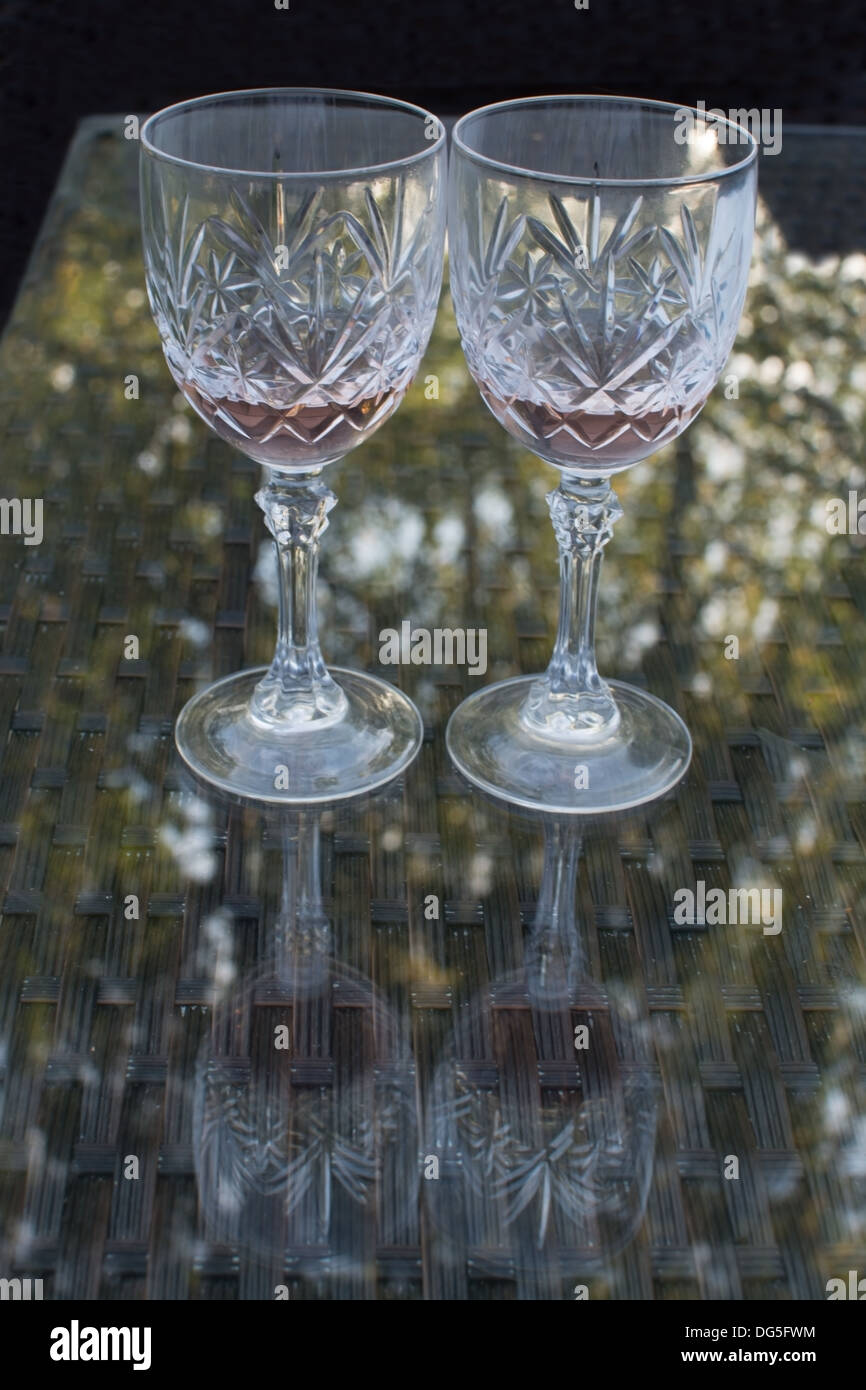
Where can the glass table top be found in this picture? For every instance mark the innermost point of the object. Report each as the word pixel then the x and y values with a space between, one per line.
pixel 420 1045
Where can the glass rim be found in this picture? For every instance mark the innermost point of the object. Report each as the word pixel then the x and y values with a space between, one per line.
pixel 190 103
pixel 591 181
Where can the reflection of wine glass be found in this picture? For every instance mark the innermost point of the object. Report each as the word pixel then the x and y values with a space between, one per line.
pixel 293 245
pixel 305 1141
pixel 544 1130
pixel 599 258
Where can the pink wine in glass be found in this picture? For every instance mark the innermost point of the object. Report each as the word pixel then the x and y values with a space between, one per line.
pixel 298 436
pixel 602 443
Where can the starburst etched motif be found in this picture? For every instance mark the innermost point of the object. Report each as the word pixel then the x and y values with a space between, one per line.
pixel 297 339
pixel 253 1148
pixel 596 330
pixel 593 1166
pixel 222 284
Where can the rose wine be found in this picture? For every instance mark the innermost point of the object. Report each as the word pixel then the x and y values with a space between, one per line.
pixel 301 436
pixel 602 443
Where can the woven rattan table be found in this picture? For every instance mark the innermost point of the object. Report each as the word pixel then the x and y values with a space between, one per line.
pixel 420 1046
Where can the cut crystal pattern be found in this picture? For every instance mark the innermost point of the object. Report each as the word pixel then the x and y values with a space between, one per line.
pixel 293 343
pixel 594 329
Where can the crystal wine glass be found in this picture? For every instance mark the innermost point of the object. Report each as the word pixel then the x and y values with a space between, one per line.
pixel 599 254
pixel 546 1138
pixel 305 1148
pixel 293 244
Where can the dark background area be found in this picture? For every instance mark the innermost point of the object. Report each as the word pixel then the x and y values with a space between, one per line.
pixel 64 59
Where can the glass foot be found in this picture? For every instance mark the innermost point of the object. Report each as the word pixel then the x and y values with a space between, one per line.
pixel 375 740
pixel 646 754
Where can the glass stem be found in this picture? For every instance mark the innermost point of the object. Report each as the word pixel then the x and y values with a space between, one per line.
pixel 553 956
pixel 302 932
pixel 297 689
pixel 571 700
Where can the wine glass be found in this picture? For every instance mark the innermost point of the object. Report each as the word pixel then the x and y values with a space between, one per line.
pixel 305 1145
pixel 293 244
pixel 599 252
pixel 544 1130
